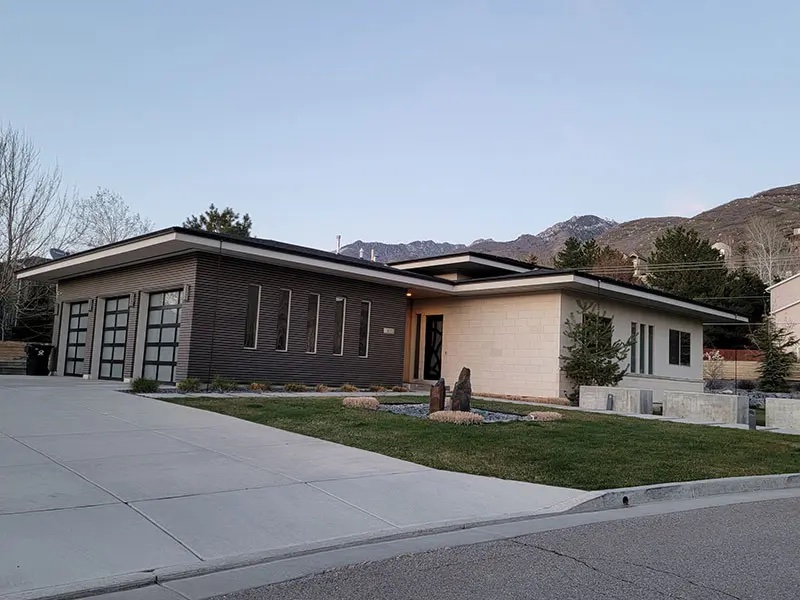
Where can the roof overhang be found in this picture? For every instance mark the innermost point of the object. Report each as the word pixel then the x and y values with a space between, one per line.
pixel 458 262
pixel 176 242
pixel 173 243
pixel 574 282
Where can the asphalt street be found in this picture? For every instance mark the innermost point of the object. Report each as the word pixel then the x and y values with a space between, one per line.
pixel 741 551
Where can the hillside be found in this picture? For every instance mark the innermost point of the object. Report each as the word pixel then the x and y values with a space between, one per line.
pixel 725 223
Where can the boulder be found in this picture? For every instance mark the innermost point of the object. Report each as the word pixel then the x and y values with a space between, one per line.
pixel 437 397
pixel 462 391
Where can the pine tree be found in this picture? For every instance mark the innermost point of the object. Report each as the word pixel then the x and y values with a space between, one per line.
pixel 592 356
pixel 775 344
pixel 571 255
pixel 225 221
pixel 674 251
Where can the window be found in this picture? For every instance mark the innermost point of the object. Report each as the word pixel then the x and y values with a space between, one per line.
pixel 312 323
pixel 284 314
pixel 642 347
pixel 251 318
pixel 634 335
pixel 338 326
pixel 363 330
pixel 680 348
pixel 649 349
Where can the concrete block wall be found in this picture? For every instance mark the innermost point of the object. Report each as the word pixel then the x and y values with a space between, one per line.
pixel 716 408
pixel 783 413
pixel 624 400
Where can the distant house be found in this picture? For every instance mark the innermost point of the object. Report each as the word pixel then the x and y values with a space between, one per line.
pixel 180 303
pixel 784 302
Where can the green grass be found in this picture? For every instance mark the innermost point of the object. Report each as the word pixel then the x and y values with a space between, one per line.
pixel 586 451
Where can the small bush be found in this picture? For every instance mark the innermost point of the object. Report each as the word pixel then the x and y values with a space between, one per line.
pixel 322 388
pixel 456 417
pixel 188 385
pixel 140 385
pixel 377 388
pixel 399 388
pixel 746 385
pixel 365 402
pixel 545 415
pixel 222 384
pixel 295 387
pixel 348 387
pixel 259 387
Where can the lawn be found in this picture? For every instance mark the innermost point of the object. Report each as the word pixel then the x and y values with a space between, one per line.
pixel 586 451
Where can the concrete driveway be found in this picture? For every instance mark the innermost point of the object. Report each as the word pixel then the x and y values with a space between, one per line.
pixel 95 484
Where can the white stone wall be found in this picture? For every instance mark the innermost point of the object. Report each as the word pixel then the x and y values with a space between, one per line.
pixel 511 342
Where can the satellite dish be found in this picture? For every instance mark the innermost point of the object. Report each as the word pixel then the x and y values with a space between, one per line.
pixel 55 253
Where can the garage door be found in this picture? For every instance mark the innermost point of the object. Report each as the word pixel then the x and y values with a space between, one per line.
pixel 163 328
pixel 115 336
pixel 76 338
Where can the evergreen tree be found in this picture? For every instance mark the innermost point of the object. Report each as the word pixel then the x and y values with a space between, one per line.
pixel 744 294
pixel 225 221
pixel 591 252
pixel 775 344
pixel 670 268
pixel 571 255
pixel 592 356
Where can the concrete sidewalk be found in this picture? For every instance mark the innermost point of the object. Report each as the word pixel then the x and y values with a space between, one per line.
pixel 95 484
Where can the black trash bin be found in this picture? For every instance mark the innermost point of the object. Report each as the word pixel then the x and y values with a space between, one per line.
pixel 38 358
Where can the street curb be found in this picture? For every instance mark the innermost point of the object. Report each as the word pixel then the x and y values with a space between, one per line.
pixel 82 589
pixel 665 492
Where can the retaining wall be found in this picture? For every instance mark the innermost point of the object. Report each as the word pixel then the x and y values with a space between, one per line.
pixel 716 408
pixel 783 413
pixel 624 400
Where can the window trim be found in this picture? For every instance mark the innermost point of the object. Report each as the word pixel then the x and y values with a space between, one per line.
pixel 316 326
pixel 369 324
pixel 258 318
pixel 343 300
pixel 288 321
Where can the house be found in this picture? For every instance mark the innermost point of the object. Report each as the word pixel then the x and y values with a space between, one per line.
pixel 784 302
pixel 181 303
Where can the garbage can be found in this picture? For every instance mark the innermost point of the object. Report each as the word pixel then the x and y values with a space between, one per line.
pixel 37 362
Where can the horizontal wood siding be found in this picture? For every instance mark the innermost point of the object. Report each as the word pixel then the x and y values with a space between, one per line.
pixel 160 275
pixel 223 288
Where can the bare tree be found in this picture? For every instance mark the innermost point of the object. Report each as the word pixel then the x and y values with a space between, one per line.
pixel 767 250
pixel 107 219
pixel 36 213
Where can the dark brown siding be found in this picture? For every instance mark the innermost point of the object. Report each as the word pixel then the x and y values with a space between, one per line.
pixel 165 274
pixel 224 288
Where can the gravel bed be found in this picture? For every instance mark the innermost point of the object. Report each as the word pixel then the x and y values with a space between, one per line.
pixel 421 411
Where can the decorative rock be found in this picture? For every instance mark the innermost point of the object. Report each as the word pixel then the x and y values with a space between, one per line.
pixel 462 391
pixel 437 397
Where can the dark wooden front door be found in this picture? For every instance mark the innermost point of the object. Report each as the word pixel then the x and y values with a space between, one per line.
pixel 433 347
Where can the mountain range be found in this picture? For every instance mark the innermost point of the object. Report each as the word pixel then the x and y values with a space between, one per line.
pixel 725 223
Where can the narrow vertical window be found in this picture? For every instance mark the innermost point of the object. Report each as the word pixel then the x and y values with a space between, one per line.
pixel 251 317
pixel 642 348
pixel 363 330
pixel 633 348
pixel 674 346
pixel 686 349
pixel 650 332
pixel 282 326
pixel 338 326
pixel 312 323
pixel 417 344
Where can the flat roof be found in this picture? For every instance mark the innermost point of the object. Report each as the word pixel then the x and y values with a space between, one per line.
pixel 520 277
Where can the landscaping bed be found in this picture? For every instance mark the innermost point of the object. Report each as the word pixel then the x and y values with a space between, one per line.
pixel 584 450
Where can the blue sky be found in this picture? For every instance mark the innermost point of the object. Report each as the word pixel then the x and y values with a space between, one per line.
pixel 395 121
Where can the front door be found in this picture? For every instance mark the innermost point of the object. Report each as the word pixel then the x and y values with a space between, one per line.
pixel 115 336
pixel 76 338
pixel 432 369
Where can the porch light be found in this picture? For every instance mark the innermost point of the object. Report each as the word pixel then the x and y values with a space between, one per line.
pixel 408 294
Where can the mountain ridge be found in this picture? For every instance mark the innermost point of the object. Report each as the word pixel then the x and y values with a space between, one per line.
pixel 723 223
